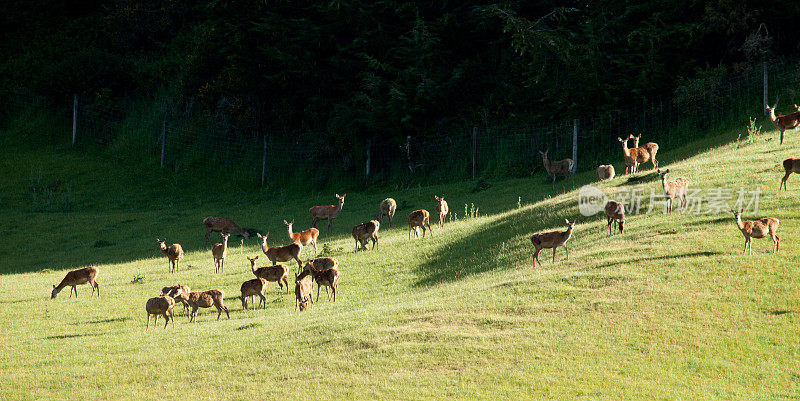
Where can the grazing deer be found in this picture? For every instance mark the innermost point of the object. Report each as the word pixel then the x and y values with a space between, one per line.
pixel 164 306
pixel 174 254
pixel 674 189
pixel 207 299
pixel 552 239
pixel 419 218
pixel 388 206
pixel 441 209
pixel 326 212
pixel 757 229
pixel 645 153
pixel 615 213
pixel 303 238
pixel 782 123
pixel 323 273
pixel 220 225
pixel 179 293
pixel 605 172
pixel 277 273
pixel 562 168
pixel 302 293
pixel 791 166
pixel 76 278
pixel 219 252
pixel 630 156
pixel 281 253
pixel 250 288
pixel 365 232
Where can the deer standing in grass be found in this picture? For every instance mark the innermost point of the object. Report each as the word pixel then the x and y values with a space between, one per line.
pixel 552 239
pixel 277 273
pixel 605 172
pixel 160 306
pixel 365 232
pixel 219 252
pixel 302 293
pixel 325 272
pixel 757 229
pixel 326 212
pixel 220 225
pixel 645 153
pixel 630 156
pixel 419 218
pixel 674 189
pixel 782 123
pixel 174 254
pixel 250 288
pixel 615 213
pixel 441 209
pixel 179 293
pixel 562 168
pixel 207 299
pixel 388 206
pixel 791 166
pixel 76 278
pixel 281 253
pixel 303 238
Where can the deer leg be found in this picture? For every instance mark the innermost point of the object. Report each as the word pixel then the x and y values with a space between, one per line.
pixel 566 251
pixel 783 181
pixel 782 137
pixel 285 281
pixel 315 246
pixel 222 265
pixel 148 321
pixel 330 225
pixel 318 285
pixel 166 320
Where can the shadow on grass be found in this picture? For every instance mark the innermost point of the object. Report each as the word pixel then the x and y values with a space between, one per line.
pixel 66 336
pixel 655 258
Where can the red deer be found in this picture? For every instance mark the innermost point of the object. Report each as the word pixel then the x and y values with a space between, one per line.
pixel 630 156
pixel 302 293
pixel 256 286
pixel 303 238
pixel 605 172
pixel 365 232
pixel 326 212
pixel 174 254
pixel 615 213
pixel 388 206
pixel 221 225
pixel 180 293
pixel 646 152
pixel 562 168
pixel 276 273
pixel 757 229
pixel 76 278
pixel 673 189
pixel 325 272
pixel 281 253
pixel 552 239
pixel 782 123
pixel 441 209
pixel 791 166
pixel 207 299
pixel 163 306
pixel 419 218
pixel 219 252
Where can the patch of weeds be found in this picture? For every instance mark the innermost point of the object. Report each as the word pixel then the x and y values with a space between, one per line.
pixel 137 279
pixel 470 211
pixel 52 197
pixel 750 133
pixel 329 250
pixel 249 326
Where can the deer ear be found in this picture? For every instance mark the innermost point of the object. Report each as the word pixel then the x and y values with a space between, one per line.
pixel 741 210
pixel 337 195
pixel 666 171
pixel 54 286
pixel 285 222
pixel 566 221
pixel 292 221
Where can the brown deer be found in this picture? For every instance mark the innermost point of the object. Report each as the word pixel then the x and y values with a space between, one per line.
pixel 76 278
pixel 326 275
pixel 281 253
pixel 164 306
pixel 219 252
pixel 250 288
pixel 757 229
pixel 326 212
pixel 302 293
pixel 388 206
pixel 645 153
pixel 303 238
pixel 674 189
pixel 174 254
pixel 615 213
pixel 791 166
pixel 782 123
pixel 419 218
pixel 630 156
pixel 277 273
pixel 441 209
pixel 179 293
pixel 605 172
pixel 562 168
pixel 552 239
pixel 207 299
pixel 365 232
pixel 220 225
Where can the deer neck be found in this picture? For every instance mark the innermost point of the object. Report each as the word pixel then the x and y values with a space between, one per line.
pixel 337 209
pixel 665 184
pixel 264 246
pixel 164 248
pixel 224 244
pixel 739 223
pixel 772 116
pixel 568 234
pixel 291 234
pixel 635 143
pixel 546 162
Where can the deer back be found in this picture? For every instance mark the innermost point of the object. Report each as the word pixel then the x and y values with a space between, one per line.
pixel 253 287
pixel 271 273
pixel 615 210
pixel 418 218
pixel 388 206
pixel 159 305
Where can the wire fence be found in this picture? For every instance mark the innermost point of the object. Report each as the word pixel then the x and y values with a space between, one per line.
pixel 235 143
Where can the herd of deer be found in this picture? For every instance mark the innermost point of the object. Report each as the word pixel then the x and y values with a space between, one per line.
pixel 322 270
pixel 325 270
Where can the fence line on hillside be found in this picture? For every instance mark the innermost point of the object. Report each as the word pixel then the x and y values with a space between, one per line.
pixel 239 147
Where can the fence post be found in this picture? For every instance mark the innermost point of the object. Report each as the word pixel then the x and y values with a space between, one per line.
pixel 264 162
pixel 163 141
pixel 74 117
pixel 764 64
pixel 474 150
pixel 369 142
pixel 575 145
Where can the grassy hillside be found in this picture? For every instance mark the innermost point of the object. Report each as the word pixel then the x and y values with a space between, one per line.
pixel 670 310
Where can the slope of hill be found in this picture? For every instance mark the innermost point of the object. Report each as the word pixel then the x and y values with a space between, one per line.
pixel 671 309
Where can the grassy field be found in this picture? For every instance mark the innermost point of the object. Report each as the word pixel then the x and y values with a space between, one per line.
pixel 670 310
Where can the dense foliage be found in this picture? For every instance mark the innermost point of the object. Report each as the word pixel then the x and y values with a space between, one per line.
pixel 385 69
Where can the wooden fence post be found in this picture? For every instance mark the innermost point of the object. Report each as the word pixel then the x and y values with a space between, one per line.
pixel 163 141
pixel 74 117
pixel 575 145
pixel 474 150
